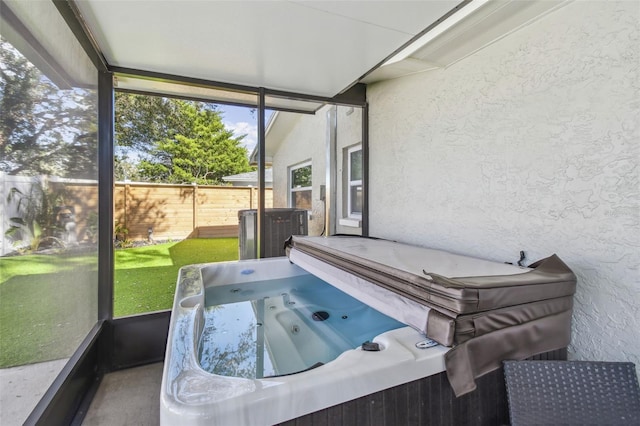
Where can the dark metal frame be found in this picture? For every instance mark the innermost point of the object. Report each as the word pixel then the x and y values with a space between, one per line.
pixel 186 98
pixel 365 169
pixel 73 18
pixel 192 81
pixel 260 246
pixel 74 387
pixel 137 340
pixel 105 194
pixel 354 96
pixel 201 99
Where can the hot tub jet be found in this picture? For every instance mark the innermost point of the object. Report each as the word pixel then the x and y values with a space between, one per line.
pixel 320 316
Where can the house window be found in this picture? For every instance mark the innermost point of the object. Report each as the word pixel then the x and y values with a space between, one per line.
pixel 354 190
pixel 300 187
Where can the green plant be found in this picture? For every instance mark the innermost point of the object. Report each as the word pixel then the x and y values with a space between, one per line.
pixel 121 239
pixel 31 237
pixel 36 225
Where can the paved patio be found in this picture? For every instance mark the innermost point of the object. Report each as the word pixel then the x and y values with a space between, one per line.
pixel 128 397
pixel 22 387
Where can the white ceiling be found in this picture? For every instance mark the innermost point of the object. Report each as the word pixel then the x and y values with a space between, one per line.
pixel 310 47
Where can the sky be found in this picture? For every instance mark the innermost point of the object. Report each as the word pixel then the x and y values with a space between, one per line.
pixel 242 121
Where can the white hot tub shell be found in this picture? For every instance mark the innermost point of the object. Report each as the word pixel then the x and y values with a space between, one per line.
pixel 191 395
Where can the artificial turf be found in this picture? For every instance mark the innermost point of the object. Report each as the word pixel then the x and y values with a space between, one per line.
pixel 145 277
pixel 48 303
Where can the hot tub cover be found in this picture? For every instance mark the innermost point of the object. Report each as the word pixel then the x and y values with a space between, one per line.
pixel 487 311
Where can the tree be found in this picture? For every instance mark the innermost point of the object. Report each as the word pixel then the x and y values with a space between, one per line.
pixel 176 141
pixel 43 129
pixel 141 121
pixel 125 168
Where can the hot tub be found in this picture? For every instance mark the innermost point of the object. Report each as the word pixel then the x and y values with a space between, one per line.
pixel 192 395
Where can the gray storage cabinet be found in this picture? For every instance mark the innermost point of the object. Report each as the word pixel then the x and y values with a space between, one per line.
pixel 279 225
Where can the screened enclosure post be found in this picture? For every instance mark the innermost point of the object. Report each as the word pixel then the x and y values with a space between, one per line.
pixel 331 178
pixel 260 242
pixel 105 195
pixel 365 170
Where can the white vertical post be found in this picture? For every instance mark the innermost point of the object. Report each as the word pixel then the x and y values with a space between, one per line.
pixel 330 193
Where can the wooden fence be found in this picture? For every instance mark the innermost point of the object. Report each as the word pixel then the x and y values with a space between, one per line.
pixel 168 211
pixel 182 211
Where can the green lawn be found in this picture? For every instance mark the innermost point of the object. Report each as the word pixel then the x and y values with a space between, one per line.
pixel 145 277
pixel 46 306
pixel 49 302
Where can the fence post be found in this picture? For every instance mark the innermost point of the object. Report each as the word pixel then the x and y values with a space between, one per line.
pixel 127 191
pixel 195 207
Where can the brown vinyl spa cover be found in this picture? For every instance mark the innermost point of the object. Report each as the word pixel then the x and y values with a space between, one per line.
pixel 486 311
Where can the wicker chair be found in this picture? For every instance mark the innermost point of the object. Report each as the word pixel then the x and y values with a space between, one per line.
pixel 572 393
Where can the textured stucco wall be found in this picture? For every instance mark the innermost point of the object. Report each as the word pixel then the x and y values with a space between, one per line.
pixel 530 144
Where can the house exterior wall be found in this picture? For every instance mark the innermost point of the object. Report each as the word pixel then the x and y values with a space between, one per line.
pixel 530 144
pixel 307 141
pixel 349 134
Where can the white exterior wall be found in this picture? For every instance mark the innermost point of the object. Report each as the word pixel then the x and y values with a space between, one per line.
pixel 530 144
pixel 349 133
pixel 306 141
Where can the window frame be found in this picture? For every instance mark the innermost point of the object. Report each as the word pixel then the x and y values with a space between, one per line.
pixel 352 184
pixel 291 189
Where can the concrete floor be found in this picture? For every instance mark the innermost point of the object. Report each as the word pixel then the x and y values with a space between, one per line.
pixel 22 387
pixel 128 397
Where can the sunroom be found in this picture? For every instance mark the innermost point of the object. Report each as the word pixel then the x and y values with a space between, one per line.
pixel 501 130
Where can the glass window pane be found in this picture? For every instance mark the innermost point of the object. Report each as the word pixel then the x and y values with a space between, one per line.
pixel 185 193
pixel 301 177
pixel 356 165
pixel 356 199
pixel 302 200
pixel 49 199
